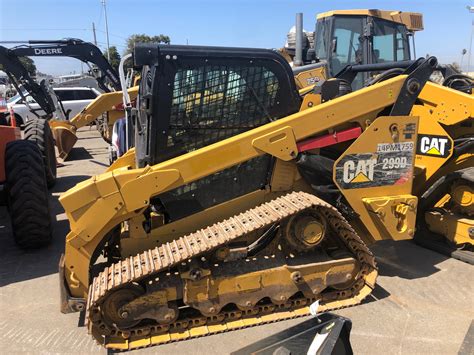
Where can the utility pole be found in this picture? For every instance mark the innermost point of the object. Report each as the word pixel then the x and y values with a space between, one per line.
pixel 471 10
pixel 93 31
pixel 106 30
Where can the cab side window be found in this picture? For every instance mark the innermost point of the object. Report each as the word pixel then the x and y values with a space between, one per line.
pixel 84 95
pixel 65 95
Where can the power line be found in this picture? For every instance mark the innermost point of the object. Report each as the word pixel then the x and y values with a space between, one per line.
pixel 44 29
pixel 112 34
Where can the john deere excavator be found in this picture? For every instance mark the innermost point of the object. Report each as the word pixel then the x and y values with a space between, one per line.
pixel 107 78
pixel 243 201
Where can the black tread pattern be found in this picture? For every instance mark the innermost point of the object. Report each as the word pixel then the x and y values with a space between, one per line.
pixel 28 196
pixel 38 131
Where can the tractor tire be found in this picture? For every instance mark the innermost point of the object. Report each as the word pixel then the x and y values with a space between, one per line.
pixel 27 195
pixel 38 131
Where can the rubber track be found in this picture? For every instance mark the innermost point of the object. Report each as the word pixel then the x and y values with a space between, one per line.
pixel 37 130
pixel 27 195
pixel 154 261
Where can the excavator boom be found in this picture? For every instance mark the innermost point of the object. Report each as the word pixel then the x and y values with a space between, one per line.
pixel 73 48
pixel 21 79
pixel 65 131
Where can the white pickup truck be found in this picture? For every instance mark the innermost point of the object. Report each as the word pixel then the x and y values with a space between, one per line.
pixel 73 99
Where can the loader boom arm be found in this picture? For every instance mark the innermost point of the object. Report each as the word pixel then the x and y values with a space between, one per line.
pixel 103 103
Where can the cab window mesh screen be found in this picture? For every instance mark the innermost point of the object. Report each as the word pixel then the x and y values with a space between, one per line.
pixel 214 102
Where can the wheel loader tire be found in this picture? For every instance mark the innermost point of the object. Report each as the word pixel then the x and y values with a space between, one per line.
pixel 38 131
pixel 27 195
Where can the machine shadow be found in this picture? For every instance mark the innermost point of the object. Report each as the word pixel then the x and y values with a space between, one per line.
pixel 405 259
pixel 63 184
pixel 79 153
pixel 21 265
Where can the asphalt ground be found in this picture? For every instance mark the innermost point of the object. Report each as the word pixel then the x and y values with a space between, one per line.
pixel 423 303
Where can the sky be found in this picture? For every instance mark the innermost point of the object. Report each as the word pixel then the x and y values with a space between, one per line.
pixel 240 23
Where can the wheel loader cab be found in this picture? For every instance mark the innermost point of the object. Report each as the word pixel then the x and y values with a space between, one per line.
pixel 364 37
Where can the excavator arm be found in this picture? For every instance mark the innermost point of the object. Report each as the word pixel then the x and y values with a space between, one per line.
pixel 65 131
pixel 21 79
pixel 74 48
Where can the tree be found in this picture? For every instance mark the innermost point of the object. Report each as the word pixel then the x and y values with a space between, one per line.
pixel 114 57
pixel 456 66
pixel 143 38
pixel 28 63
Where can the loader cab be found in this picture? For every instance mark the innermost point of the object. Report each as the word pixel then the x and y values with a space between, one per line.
pixel 194 96
pixel 191 97
pixel 364 37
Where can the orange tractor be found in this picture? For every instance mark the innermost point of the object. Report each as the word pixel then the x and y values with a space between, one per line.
pixel 24 187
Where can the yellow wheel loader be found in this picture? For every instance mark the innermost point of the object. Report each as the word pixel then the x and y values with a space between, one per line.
pixel 244 202
pixel 355 37
pixel 350 37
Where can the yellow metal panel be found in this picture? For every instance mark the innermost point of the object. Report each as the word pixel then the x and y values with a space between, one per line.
pixel 448 106
pixel 378 164
pixel 310 77
pixel 451 225
pixel 394 214
pixel 434 145
pixel 279 143
pixel 125 161
pixel 136 191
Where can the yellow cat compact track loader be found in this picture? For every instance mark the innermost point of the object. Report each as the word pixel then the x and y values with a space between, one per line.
pixel 243 202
